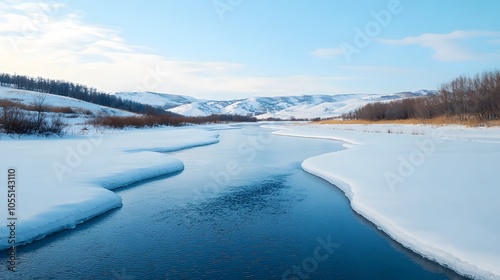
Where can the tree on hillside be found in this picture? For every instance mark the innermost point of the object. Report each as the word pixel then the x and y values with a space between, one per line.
pixel 77 91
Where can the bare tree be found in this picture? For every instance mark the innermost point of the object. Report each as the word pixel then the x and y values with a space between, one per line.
pixel 40 107
pixel 468 98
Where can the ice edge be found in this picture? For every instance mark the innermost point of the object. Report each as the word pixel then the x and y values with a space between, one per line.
pixel 410 242
pixel 74 217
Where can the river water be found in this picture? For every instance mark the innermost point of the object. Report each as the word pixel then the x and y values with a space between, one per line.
pixel 241 209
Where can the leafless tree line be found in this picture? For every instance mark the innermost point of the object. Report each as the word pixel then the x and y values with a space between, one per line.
pixel 76 91
pixel 465 97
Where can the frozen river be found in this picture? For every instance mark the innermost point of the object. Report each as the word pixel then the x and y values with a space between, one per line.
pixel 241 209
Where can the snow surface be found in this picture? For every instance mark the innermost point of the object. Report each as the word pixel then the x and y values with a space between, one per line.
pixel 284 107
pixel 64 181
pixel 165 101
pixel 76 120
pixel 28 97
pixel 433 189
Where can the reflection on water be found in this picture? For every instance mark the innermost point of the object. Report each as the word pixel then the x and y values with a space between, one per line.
pixel 258 225
pixel 239 204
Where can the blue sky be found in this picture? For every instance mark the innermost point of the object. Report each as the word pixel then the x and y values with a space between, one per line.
pixel 226 49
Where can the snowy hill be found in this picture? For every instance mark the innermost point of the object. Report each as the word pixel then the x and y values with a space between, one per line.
pixel 79 113
pixel 285 107
pixel 304 106
pixel 28 97
pixel 166 101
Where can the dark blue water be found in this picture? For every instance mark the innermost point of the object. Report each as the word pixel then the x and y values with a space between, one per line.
pixel 241 209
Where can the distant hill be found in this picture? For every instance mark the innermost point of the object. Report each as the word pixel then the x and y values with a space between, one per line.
pixel 285 107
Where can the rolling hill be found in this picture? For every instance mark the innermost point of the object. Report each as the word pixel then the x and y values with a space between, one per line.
pixel 285 107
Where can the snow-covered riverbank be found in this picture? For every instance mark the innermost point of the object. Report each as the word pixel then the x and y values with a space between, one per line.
pixel 434 190
pixel 61 182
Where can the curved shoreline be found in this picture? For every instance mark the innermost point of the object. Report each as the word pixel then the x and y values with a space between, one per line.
pixel 96 187
pixel 399 235
pixel 425 248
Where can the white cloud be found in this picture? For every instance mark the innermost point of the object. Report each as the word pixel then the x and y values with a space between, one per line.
pixel 327 53
pixel 448 47
pixel 37 8
pixel 51 40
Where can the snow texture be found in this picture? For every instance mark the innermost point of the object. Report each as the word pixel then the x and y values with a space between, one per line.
pixel 433 189
pixel 28 97
pixel 64 181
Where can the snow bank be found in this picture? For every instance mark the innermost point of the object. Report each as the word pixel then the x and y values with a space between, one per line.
pixel 436 192
pixel 63 182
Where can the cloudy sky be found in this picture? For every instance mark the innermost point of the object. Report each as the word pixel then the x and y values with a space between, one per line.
pixel 223 49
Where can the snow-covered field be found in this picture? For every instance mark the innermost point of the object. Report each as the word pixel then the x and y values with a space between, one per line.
pixel 435 190
pixel 64 180
pixel 61 182
pixel 28 97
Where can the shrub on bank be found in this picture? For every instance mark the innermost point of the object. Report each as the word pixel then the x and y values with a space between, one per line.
pixel 14 120
pixel 163 120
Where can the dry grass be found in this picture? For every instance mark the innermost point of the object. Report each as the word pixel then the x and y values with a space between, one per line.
pixel 493 123
pixel 163 120
pixel 440 121
pixel 14 120
pixel 6 103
